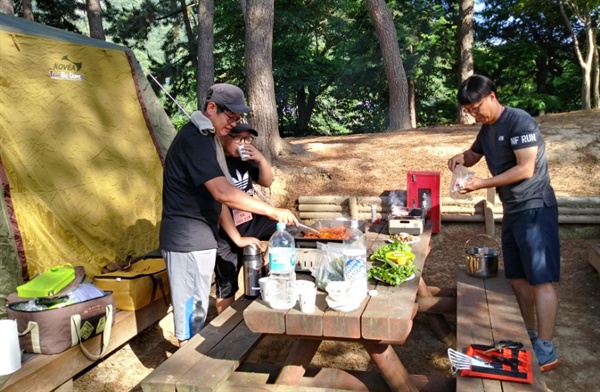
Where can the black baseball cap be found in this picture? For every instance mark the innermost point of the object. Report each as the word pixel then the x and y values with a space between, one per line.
pixel 239 128
pixel 229 96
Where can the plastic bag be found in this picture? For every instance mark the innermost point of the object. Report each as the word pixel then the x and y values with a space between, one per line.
pixel 460 176
pixel 330 267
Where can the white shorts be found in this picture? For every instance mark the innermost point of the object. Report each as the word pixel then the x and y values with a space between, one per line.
pixel 190 277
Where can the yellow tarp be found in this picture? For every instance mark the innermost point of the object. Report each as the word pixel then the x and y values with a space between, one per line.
pixel 85 177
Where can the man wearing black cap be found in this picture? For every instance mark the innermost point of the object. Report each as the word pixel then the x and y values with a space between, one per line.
pixel 196 183
pixel 240 228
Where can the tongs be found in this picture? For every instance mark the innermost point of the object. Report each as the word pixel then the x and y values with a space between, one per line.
pixel 303 226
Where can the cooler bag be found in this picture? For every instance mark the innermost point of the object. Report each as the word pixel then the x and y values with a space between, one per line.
pixel 138 284
pixel 55 330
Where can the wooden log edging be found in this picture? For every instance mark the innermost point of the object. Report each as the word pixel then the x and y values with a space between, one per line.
pixel 576 210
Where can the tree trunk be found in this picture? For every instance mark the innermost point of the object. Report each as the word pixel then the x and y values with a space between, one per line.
pixel 205 76
pixel 465 61
pixel 596 80
pixel 392 64
pixel 189 33
pixel 259 19
pixel 94 14
pixel 413 103
pixel 27 10
pixel 7 7
pixel 305 104
pixel 583 14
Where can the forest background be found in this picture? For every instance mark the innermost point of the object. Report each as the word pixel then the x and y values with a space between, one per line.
pixel 328 59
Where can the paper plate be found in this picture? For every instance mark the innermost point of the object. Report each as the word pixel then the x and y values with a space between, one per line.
pixel 413 241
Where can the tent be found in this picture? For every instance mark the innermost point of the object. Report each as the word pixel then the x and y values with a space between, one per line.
pixel 82 141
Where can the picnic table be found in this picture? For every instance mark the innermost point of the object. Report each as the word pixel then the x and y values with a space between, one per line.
pixel 380 322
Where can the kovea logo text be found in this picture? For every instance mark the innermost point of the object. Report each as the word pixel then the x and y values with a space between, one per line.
pixel 282 259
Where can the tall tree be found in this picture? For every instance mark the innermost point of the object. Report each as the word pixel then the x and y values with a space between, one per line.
pixel 587 14
pixel 205 75
pixel 465 42
pixel 7 7
pixel 258 52
pixel 94 14
pixel 399 111
pixel 27 10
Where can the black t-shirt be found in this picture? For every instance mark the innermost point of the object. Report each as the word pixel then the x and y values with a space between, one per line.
pixel 514 130
pixel 190 216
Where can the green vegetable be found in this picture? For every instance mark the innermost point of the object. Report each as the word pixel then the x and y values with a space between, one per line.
pixel 392 273
pixel 395 246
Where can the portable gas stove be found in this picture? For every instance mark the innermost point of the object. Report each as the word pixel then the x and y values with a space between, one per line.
pixel 407 220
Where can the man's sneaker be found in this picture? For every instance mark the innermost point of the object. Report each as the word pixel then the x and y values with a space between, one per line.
pixel 546 354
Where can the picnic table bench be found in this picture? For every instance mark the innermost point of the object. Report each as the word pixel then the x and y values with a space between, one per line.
pixel 55 372
pixel 213 360
pixel 487 312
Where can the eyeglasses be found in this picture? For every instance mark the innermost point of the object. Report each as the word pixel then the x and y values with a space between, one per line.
pixel 239 140
pixel 231 118
pixel 475 109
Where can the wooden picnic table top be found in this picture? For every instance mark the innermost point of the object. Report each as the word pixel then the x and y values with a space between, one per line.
pixel 386 317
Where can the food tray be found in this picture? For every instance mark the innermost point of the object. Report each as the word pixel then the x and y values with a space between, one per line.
pixel 303 242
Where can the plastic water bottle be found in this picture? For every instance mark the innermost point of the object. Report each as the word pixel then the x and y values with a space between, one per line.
pixel 198 318
pixel 355 259
pixel 282 268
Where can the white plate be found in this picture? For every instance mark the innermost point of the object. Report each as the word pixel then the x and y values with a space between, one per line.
pixel 405 280
pixel 414 241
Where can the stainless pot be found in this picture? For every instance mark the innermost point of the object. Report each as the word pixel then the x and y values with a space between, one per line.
pixel 482 262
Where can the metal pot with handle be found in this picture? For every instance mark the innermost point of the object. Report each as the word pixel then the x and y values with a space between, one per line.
pixel 482 261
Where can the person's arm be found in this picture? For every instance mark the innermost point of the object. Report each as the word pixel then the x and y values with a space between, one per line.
pixel 265 174
pixel 228 225
pixel 467 158
pixel 232 197
pixel 521 171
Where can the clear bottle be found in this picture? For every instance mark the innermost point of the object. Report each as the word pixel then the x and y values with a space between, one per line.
pixel 355 259
pixel 282 268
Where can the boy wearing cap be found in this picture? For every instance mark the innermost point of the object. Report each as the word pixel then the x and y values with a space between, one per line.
pixel 240 228
pixel 196 183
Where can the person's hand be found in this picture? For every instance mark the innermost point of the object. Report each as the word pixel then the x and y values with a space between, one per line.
pixel 246 241
pixel 285 216
pixel 472 185
pixel 458 159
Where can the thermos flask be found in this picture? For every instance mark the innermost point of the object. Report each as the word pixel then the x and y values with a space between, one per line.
pixel 253 270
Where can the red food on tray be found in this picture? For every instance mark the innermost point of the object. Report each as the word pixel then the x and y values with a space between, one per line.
pixel 331 233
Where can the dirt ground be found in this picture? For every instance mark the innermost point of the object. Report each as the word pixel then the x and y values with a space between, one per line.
pixel 374 163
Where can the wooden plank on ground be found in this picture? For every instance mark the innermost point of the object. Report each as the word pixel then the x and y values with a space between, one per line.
pixel 211 370
pixel 48 372
pixel 594 256
pixel 166 375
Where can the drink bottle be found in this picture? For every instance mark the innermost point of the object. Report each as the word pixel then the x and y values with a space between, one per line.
pixel 282 268
pixel 252 261
pixel 355 259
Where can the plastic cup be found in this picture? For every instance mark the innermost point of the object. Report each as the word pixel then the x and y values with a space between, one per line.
pixel 267 287
pixel 307 295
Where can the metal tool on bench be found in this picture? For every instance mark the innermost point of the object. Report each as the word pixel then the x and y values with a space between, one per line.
pixel 461 361
pixel 311 229
pixel 505 344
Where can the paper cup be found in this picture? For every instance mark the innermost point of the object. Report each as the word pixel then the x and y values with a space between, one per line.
pixel 10 357
pixel 307 295
pixel 267 286
pixel 243 155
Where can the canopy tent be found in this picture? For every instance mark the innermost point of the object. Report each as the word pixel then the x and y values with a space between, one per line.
pixel 82 141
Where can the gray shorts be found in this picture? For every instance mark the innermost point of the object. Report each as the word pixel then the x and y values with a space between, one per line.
pixel 190 277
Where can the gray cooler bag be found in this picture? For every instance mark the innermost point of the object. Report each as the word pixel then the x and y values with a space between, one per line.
pixel 53 331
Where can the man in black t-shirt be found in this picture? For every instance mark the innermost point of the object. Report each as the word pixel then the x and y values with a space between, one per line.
pixel 515 153
pixel 240 228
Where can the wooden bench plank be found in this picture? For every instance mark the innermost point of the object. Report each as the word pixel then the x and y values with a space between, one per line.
pixel 166 375
pixel 209 372
pixel 487 312
pixel 48 372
